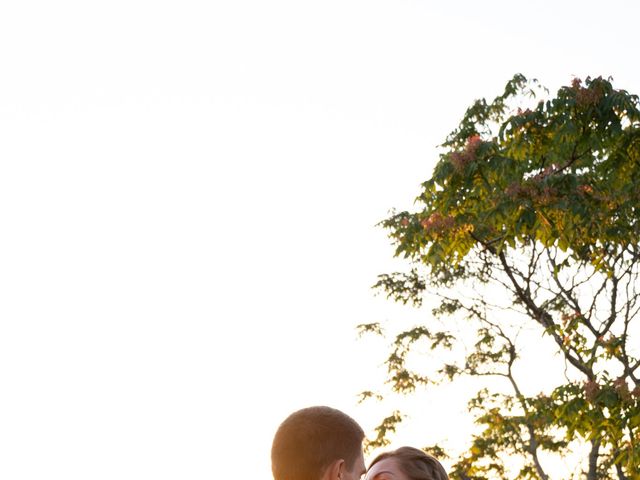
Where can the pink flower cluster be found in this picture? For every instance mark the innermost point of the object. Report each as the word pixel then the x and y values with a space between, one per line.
pixel 437 223
pixel 543 195
pixel 585 189
pixel 460 160
pixel 622 389
pixel 586 96
pixel 591 390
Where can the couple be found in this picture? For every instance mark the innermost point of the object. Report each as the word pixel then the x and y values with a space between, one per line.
pixel 322 443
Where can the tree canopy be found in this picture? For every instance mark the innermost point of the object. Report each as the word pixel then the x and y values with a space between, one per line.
pixel 531 219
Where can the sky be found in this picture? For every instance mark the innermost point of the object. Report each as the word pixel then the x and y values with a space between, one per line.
pixel 189 194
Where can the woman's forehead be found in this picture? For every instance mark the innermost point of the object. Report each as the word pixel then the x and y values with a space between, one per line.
pixel 387 465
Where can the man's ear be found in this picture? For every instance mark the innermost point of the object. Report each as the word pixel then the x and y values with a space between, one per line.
pixel 335 471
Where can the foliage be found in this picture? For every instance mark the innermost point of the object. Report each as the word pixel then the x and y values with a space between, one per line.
pixel 531 219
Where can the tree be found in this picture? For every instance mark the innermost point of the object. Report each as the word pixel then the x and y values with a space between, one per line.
pixel 531 219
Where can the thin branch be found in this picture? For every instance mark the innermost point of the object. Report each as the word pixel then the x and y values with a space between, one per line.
pixel 546 321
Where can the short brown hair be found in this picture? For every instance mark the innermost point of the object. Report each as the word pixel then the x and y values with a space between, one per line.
pixel 414 463
pixel 309 440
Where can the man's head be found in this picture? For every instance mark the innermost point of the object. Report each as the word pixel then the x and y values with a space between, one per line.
pixel 318 443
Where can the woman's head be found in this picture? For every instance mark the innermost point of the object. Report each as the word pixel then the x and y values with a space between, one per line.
pixel 406 463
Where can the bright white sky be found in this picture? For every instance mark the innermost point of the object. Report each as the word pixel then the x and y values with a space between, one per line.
pixel 188 194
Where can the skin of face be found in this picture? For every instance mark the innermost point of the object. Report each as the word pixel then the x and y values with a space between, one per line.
pixel 386 469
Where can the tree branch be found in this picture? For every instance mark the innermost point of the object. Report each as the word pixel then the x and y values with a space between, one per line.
pixel 545 320
pixel 592 473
